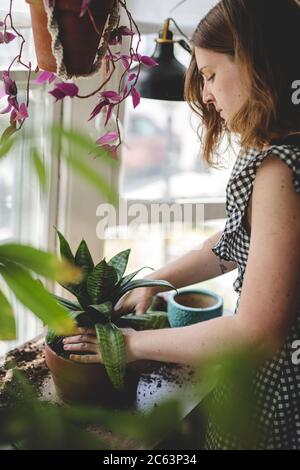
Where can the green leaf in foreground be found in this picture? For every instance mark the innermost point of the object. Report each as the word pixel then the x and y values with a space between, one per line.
pixel 35 297
pixel 82 143
pixel 92 177
pixel 79 154
pixel 42 263
pixel 39 167
pixel 7 320
pixel 5 146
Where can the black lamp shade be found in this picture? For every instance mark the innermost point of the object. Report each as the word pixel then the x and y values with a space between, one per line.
pixel 165 81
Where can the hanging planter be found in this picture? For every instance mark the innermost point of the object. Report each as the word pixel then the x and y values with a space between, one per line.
pixel 67 42
pixel 75 38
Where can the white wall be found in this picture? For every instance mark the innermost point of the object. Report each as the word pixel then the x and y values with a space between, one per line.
pixel 18 5
pixel 144 12
pixel 155 12
pixel 21 12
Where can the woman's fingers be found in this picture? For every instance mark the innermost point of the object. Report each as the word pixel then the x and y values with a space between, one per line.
pixel 80 339
pixel 88 344
pixel 87 358
pixel 89 347
pixel 122 307
pixel 81 330
pixel 141 309
pixel 83 343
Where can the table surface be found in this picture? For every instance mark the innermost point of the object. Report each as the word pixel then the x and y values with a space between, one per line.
pixel 158 384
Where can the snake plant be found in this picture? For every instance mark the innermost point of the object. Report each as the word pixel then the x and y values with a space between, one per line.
pixel 101 287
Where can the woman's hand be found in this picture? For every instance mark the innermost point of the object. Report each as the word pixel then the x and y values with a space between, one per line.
pixel 138 300
pixel 86 341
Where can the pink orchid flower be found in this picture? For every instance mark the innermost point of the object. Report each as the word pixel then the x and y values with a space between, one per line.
pixel 10 86
pixel 109 99
pixel 63 89
pixel 45 77
pixel 6 38
pixel 144 59
pixel 117 34
pixel 84 6
pixel 110 149
pixel 22 112
pixel 108 137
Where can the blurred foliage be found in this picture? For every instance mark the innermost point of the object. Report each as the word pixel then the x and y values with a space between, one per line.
pixel 27 422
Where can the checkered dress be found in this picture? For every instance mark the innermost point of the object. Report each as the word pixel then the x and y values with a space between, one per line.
pixel 274 385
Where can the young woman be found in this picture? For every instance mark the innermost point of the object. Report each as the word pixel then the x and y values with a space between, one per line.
pixel 243 79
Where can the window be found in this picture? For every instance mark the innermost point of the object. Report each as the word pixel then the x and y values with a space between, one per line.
pixel 161 163
pixel 161 153
pixel 24 209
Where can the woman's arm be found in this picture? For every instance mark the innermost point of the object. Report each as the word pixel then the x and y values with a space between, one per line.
pixel 270 293
pixel 199 264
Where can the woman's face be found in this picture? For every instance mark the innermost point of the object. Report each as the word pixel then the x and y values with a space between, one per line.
pixel 226 84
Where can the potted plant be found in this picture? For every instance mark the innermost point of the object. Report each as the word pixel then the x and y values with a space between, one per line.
pixel 75 28
pixel 102 285
pixel 76 38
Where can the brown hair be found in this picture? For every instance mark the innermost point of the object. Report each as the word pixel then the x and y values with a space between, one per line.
pixel 263 36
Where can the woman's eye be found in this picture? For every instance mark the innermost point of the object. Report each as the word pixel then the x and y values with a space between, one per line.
pixel 211 78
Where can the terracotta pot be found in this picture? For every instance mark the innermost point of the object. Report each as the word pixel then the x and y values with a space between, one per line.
pixel 41 36
pixel 77 35
pixel 89 383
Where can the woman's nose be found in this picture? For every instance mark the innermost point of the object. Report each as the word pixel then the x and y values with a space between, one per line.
pixel 207 96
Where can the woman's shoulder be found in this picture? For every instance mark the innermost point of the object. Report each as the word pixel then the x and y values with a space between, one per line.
pixel 285 150
pixel 284 153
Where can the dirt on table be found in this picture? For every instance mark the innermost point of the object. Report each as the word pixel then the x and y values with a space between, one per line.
pixel 29 359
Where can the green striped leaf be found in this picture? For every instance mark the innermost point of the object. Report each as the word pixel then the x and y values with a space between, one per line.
pixel 144 283
pixel 148 321
pixel 113 349
pixel 65 249
pixel 130 276
pixel 82 318
pixel 119 262
pixel 68 303
pixel 83 258
pixel 36 298
pixel 100 282
pixel 103 311
pixel 7 320
pixel 80 292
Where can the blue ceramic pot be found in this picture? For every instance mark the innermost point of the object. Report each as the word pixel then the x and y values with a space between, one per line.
pixel 191 306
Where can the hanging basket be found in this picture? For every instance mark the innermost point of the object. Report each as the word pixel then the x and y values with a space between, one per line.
pixel 70 45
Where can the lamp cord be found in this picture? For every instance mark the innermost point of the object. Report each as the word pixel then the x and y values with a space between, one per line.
pixel 177 5
pixel 179 29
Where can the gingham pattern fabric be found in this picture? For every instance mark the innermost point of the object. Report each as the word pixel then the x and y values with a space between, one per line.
pixel 275 385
